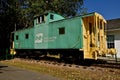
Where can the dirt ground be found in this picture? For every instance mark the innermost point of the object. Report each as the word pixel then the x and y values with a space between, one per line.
pixel 15 73
pixel 68 71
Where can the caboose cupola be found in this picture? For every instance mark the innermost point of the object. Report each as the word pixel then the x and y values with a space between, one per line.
pixel 47 18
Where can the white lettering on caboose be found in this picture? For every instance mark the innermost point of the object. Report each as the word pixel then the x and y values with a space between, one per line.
pixel 39 38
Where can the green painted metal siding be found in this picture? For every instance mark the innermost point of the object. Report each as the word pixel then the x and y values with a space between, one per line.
pixel 41 32
pixel 56 17
pixel 25 39
pixel 48 36
pixel 72 37
pixel 48 19
pixel 61 34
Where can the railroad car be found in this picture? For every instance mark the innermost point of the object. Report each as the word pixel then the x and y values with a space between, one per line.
pixel 80 37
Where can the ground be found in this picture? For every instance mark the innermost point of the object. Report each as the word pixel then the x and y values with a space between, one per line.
pixel 67 71
pixel 15 73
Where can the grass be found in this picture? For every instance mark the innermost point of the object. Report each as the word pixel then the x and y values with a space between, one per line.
pixel 66 73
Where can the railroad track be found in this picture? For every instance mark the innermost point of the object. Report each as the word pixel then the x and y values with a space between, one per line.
pixel 99 64
pixel 107 63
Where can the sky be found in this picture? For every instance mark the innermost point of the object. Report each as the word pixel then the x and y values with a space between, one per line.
pixel 109 9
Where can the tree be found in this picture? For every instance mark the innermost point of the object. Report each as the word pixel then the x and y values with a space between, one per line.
pixel 17 14
pixel 31 8
pixel 25 10
pixel 9 15
pixel 64 7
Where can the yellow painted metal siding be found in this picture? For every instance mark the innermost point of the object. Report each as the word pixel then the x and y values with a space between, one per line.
pixel 94 36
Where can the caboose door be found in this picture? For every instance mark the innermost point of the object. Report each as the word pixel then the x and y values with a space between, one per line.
pixel 89 30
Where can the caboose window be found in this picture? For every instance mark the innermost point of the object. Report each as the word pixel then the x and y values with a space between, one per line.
pixel 61 30
pixel 51 16
pixel 40 19
pixel 90 26
pixel 17 37
pixel 100 24
pixel 26 36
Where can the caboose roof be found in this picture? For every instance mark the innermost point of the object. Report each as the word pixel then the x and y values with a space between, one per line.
pixel 96 14
pixel 46 13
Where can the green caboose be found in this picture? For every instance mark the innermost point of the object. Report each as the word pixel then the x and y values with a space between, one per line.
pixel 52 31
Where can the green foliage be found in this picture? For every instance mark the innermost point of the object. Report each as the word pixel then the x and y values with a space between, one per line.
pixel 64 7
pixel 17 14
pixel 22 12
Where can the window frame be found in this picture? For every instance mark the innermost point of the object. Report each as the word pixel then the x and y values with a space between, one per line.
pixel 52 16
pixel 17 37
pixel 110 41
pixel 26 36
pixel 40 19
pixel 61 30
